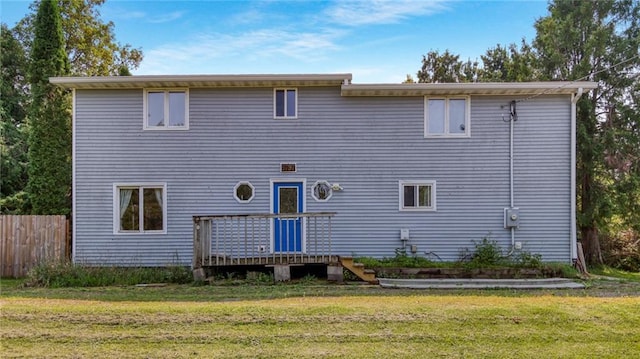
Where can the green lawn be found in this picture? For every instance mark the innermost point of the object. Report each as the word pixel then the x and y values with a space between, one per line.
pixel 318 321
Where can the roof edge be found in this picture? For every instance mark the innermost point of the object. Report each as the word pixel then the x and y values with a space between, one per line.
pixel 474 88
pixel 248 80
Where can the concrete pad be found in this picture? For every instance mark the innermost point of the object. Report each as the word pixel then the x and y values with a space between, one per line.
pixel 543 283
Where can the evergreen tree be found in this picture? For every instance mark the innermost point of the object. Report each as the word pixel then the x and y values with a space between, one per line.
pixel 512 64
pixel 49 183
pixel 13 143
pixel 599 41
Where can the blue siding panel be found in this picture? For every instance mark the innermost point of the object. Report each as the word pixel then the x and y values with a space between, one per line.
pixel 367 144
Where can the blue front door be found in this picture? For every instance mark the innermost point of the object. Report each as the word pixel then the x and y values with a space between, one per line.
pixel 288 198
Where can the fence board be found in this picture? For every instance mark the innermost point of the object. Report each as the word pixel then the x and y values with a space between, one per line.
pixel 26 241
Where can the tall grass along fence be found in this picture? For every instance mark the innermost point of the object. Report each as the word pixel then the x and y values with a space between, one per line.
pixel 26 241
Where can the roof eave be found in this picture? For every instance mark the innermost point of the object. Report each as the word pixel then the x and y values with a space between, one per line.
pixel 479 88
pixel 200 81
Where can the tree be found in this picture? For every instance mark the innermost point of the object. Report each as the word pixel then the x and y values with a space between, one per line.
pixel 446 67
pixel 89 42
pixel 49 117
pixel 13 144
pixel 599 41
pixel 512 64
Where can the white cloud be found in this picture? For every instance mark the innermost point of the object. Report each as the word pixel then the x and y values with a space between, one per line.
pixel 123 14
pixel 267 45
pixel 356 13
pixel 167 17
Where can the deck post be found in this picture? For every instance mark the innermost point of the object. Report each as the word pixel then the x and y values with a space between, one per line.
pixel 335 272
pixel 282 272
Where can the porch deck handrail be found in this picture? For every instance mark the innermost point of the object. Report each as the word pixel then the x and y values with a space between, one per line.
pixel 248 239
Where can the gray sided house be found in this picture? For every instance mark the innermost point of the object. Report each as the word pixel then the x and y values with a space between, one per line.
pixel 221 169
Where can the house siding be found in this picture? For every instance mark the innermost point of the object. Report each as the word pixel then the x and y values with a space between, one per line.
pixel 366 144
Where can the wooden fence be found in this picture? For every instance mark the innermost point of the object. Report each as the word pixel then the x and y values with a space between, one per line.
pixel 26 241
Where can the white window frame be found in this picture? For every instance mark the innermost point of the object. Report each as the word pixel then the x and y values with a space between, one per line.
pixel 166 126
pixel 313 191
pixel 286 116
pixel 417 208
pixel 140 187
pixel 235 192
pixel 467 117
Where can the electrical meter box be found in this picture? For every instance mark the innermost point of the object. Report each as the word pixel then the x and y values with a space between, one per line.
pixel 404 234
pixel 511 217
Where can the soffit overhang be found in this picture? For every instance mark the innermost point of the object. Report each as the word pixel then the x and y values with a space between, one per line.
pixel 200 81
pixel 478 88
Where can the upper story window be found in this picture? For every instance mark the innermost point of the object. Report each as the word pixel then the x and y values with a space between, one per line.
pixel 166 109
pixel 140 208
pixel 285 103
pixel 447 116
pixel 417 195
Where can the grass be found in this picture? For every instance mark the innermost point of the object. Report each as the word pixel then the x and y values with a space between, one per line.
pixel 323 327
pixel 311 318
pixel 615 273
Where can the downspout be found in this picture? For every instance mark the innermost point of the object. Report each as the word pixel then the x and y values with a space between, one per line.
pixel 73 176
pixel 573 239
pixel 511 200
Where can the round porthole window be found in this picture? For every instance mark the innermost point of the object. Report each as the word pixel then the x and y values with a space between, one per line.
pixel 321 191
pixel 243 192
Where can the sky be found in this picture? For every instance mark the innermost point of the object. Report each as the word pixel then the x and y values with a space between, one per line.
pixel 377 41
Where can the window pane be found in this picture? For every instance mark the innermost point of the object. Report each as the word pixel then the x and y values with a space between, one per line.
pixel 409 196
pixel 155 109
pixel 291 103
pixel 152 209
pixel 288 200
pixel 177 105
pixel 129 209
pixel 279 103
pixel 457 116
pixel 435 116
pixel 244 192
pixel 424 196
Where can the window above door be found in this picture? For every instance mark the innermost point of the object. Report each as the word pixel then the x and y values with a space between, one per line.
pixel 285 103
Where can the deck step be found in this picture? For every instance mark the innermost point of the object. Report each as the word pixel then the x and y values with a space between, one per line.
pixel 358 269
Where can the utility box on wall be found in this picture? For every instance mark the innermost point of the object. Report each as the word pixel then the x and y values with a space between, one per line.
pixel 511 217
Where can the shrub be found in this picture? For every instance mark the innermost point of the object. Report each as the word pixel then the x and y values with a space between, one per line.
pixel 622 251
pixel 401 259
pixel 525 259
pixel 487 254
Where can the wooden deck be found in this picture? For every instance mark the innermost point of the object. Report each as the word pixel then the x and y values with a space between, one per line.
pixel 248 239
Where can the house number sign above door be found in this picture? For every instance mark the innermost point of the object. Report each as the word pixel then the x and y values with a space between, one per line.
pixel 287 167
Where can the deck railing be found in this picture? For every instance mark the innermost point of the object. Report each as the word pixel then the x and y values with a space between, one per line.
pixel 262 239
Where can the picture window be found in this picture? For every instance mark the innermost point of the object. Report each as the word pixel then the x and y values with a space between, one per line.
pixel 140 209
